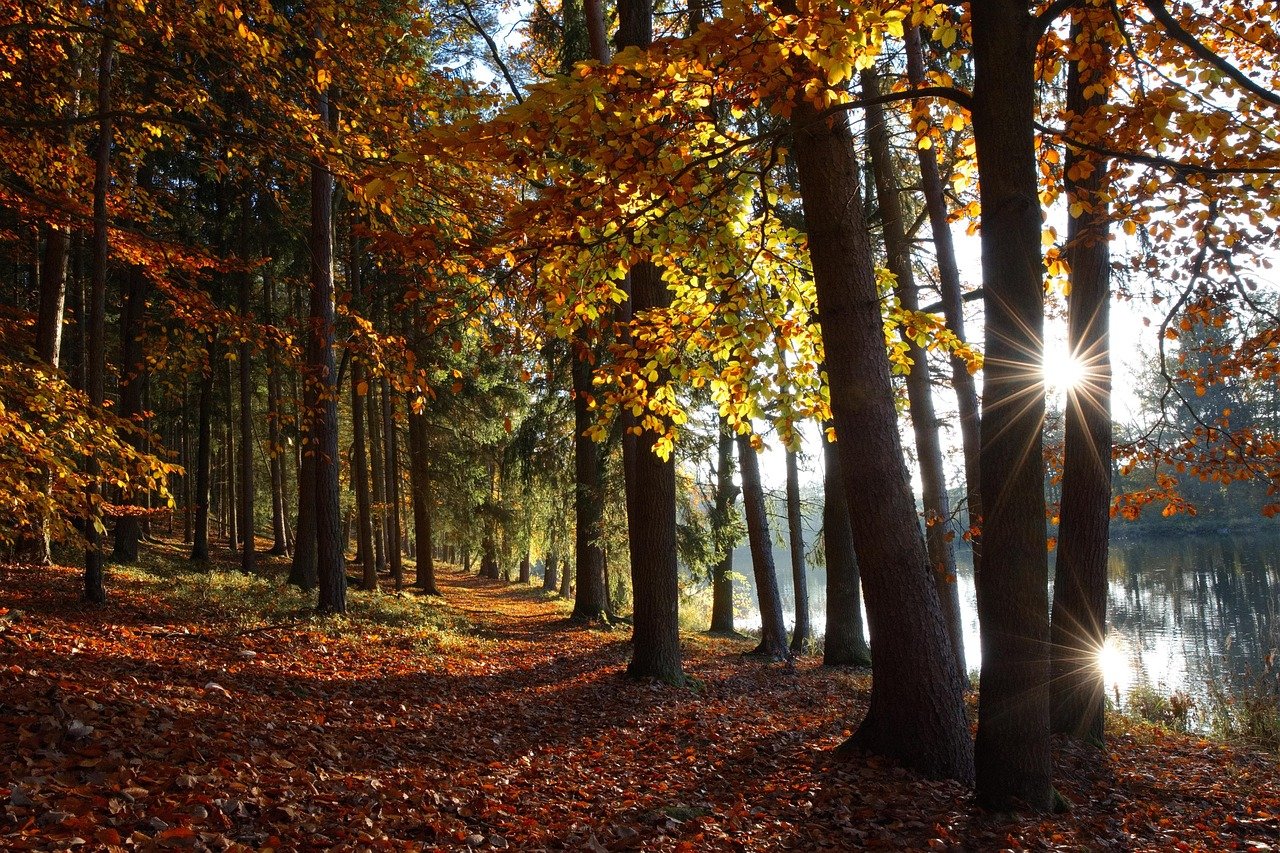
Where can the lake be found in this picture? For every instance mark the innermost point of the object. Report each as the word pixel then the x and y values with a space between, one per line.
pixel 1181 612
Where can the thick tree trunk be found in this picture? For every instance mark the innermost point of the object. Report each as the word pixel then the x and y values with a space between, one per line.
pixel 1080 580
pixel 1013 760
pixel 525 568
pixel 394 543
pixel 651 527
pixel 924 421
pixel 588 500
pixel 952 308
pixel 128 531
pixel 916 712
pixel 420 478
pixel 773 630
pixel 722 572
pixel 845 643
pixel 802 633
pixel 360 476
pixel 95 590
pixel 551 571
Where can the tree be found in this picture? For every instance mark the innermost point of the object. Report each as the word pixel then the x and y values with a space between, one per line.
pixel 773 631
pixel 845 643
pixel 801 634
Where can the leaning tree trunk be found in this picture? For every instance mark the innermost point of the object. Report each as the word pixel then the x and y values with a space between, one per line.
pixel 802 633
pixel 924 421
pixel 773 630
pixel 722 572
pixel 845 643
pixel 952 308
pixel 1078 628
pixel 651 504
pixel 95 590
pixel 916 712
pixel 1014 765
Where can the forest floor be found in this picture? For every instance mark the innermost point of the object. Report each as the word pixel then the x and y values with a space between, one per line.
pixel 211 712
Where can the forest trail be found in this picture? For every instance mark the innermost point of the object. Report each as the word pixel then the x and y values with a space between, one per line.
pixel 159 722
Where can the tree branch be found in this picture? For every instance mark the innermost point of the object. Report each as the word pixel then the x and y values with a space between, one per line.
pixel 1177 166
pixel 1198 48
pixel 494 53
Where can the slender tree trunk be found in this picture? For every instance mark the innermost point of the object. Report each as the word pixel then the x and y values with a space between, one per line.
pixel 1080 580
pixel 651 509
pixel 330 571
pixel 916 712
pixel 773 630
pixel 279 514
pixel 845 643
pixel 802 634
pixel 924 421
pixel 204 457
pixel 952 307
pixel 360 475
pixel 231 504
pixel 95 590
pixel 589 598
pixel 379 509
pixel 1014 765
pixel 128 531
pixel 722 573
pixel 185 455
pixel 420 480
pixel 393 483
pixel 248 552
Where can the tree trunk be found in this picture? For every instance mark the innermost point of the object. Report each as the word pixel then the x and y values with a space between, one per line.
pixel 802 633
pixel 588 503
pixel 95 590
pixel 916 712
pixel 722 572
pixel 1013 761
pixel 360 475
pixel 952 308
pixel 204 457
pixel 248 551
pixel 924 422
pixel 394 543
pixel 279 513
pixel 128 532
pixel 651 519
pixel 525 568
pixel 231 504
pixel 773 630
pixel 845 643
pixel 330 571
pixel 379 508
pixel 1080 580
pixel 420 479
pixel 551 571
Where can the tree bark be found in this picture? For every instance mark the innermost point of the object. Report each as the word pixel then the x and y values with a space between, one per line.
pixel 231 504
pixel 722 572
pixel 802 633
pixel 248 550
pixel 360 475
pixel 204 457
pixel 773 630
pixel 924 421
pixel 1012 755
pixel 330 571
pixel 952 308
pixel 95 591
pixel 420 479
pixel 394 544
pixel 128 530
pixel 845 643
pixel 1078 627
pixel 651 522
pixel 551 571
pixel 916 713
pixel 588 503
pixel 379 508
pixel 279 514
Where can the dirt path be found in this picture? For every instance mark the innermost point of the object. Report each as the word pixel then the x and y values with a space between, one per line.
pixel 145 725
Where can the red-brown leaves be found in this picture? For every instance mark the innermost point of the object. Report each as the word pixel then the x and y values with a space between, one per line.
pixel 150 727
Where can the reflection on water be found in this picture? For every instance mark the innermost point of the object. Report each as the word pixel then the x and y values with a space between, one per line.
pixel 1181 611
